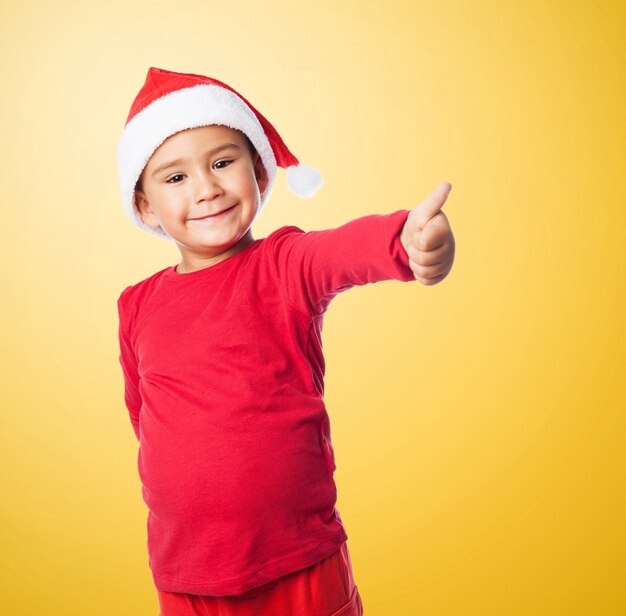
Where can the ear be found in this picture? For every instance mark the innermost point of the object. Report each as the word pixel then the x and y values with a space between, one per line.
pixel 145 211
pixel 261 173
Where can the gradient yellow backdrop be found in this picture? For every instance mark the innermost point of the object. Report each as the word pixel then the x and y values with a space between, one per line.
pixel 478 424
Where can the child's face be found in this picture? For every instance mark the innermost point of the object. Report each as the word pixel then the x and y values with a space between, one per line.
pixel 208 201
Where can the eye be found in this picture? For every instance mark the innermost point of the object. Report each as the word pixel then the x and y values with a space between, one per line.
pixel 178 175
pixel 223 161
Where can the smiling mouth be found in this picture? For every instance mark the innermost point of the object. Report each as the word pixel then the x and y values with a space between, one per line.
pixel 216 215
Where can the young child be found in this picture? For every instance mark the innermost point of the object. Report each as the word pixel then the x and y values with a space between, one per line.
pixel 222 354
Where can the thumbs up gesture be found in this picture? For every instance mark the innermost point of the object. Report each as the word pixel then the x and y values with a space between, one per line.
pixel 427 238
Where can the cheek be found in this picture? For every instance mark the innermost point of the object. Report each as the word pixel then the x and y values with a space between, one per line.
pixel 172 206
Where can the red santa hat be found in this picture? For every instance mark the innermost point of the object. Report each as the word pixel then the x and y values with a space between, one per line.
pixel 170 102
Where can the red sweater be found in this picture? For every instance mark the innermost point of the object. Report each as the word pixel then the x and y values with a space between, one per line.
pixel 224 380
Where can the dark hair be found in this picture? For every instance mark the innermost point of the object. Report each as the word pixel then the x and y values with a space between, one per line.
pixel 138 185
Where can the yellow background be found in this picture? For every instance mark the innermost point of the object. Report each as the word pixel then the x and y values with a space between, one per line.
pixel 478 424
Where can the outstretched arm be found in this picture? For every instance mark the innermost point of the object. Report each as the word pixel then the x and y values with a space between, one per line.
pixel 315 266
pixel 427 238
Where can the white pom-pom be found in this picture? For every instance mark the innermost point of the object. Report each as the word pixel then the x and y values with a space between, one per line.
pixel 304 181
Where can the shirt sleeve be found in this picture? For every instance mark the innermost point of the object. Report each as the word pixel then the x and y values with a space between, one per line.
pixel 315 266
pixel 128 362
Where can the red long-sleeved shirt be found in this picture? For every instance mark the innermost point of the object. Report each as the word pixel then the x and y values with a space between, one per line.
pixel 224 380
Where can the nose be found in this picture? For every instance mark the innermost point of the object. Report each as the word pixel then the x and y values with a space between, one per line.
pixel 207 186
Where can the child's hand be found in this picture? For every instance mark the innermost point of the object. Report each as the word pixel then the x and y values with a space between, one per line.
pixel 427 238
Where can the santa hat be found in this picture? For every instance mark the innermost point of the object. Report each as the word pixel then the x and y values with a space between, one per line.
pixel 170 102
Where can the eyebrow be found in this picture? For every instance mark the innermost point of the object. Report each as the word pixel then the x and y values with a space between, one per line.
pixel 180 161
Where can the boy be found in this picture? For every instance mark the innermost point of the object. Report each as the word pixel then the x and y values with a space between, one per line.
pixel 222 355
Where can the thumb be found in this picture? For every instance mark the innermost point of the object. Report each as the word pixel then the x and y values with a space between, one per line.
pixel 428 208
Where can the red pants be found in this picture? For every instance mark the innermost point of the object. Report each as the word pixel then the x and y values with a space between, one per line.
pixel 326 588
